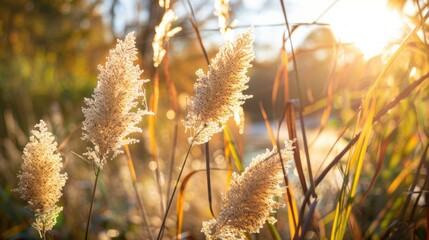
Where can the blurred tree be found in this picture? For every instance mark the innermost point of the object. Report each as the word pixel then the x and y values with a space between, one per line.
pixel 50 50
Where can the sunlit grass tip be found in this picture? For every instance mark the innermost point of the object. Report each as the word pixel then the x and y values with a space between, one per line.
pixel 251 198
pixel 219 93
pixel 163 33
pixel 40 181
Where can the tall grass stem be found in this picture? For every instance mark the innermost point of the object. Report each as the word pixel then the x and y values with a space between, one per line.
pixel 97 173
pixel 161 230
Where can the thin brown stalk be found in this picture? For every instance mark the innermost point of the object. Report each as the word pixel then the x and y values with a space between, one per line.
pixel 161 230
pixel 301 117
pixel 289 115
pixel 209 188
pixel 197 31
pixel 97 173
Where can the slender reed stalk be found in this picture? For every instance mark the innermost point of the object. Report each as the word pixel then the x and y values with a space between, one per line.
pixel 97 173
pixel 135 186
pixel 301 117
pixel 209 188
pixel 161 230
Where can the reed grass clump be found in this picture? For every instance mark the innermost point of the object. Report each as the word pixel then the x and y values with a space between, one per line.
pixel 40 181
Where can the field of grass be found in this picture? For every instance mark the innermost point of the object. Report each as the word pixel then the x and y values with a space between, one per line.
pixel 202 136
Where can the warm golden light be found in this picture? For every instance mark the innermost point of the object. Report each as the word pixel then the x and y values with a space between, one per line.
pixel 171 114
pixel 369 25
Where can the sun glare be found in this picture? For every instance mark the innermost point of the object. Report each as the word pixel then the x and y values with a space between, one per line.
pixel 369 25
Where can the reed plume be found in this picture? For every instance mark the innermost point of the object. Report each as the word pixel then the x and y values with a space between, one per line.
pixel 163 33
pixel 251 197
pixel 113 112
pixel 40 181
pixel 219 93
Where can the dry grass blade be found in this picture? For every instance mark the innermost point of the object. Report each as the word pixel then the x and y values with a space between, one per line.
pixel 267 124
pixel 209 186
pixel 181 202
pixel 230 143
pixel 285 71
pixel 292 210
pixel 281 73
pixel 289 114
pixel 227 154
pixel 194 24
pixel 355 228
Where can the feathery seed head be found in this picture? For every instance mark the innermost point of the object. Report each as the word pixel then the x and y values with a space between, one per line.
pixel 40 181
pixel 251 197
pixel 163 33
pixel 219 93
pixel 112 112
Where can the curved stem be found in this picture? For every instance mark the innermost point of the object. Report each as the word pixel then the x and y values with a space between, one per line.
pixel 97 173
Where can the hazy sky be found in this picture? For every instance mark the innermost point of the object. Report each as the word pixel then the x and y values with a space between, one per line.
pixel 368 24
